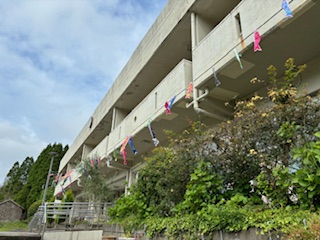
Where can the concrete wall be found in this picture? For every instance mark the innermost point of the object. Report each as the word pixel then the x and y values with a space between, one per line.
pixel 86 150
pixel 118 116
pixel 73 235
pixel 212 51
pixel 175 83
pixel 10 212
pixel 311 76
pixel 19 236
pixel 202 29
pixel 250 234
pixel 100 149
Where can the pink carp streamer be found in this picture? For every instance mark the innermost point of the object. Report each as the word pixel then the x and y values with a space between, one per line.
pixel 257 39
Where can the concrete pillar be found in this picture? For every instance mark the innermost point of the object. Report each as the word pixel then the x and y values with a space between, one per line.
pixel 117 116
pixel 86 150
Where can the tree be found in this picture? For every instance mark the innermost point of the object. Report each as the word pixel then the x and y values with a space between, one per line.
pixel 37 176
pixel 94 186
pixel 13 174
pixel 12 185
pixel 16 178
pixel 25 169
pixel 163 181
pixel 203 188
pixel 261 138
pixel 307 177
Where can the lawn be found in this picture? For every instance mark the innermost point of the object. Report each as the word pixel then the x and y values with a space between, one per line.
pixel 13 226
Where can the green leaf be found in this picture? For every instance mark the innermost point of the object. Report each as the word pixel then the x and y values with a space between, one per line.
pixel 303 183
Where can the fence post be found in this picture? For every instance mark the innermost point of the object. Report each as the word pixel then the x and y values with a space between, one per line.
pixel 72 213
pixel 44 220
pixel 117 230
pixel 99 210
pixel 221 235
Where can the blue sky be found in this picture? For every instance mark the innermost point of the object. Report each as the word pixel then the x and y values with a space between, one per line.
pixel 58 60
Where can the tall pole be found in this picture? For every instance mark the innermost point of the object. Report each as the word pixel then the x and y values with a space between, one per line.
pixel 53 154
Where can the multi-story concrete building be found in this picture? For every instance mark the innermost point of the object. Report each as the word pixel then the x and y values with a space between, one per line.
pixel 188 40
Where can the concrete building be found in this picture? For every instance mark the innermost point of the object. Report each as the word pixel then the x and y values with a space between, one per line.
pixel 188 40
pixel 11 211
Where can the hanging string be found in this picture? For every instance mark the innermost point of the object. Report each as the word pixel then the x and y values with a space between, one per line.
pixel 249 35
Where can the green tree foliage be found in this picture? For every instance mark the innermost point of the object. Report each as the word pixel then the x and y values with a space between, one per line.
pixel 163 182
pixel 24 169
pixel 92 180
pixel 204 188
pixel 260 138
pixel 15 179
pixel 33 208
pixel 310 231
pixel 2 195
pixel 37 176
pixel 12 185
pixel 13 174
pixel 162 185
pixel 68 197
pixel 307 177
pixel 130 209
pixel 21 196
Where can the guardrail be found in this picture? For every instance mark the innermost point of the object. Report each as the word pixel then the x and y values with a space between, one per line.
pixel 69 215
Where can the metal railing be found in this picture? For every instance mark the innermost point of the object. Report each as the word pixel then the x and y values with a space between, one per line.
pixel 69 215
pixel 36 222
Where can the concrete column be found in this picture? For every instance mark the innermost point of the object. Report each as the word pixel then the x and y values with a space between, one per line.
pixel 203 28
pixel 86 150
pixel 118 115
pixel 193 30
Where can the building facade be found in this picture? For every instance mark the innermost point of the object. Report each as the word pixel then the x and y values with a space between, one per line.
pixel 11 211
pixel 213 44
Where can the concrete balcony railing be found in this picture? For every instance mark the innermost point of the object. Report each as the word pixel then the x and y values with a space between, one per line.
pixel 216 49
pixel 100 150
pixel 174 84
pixel 74 176
pixel 72 150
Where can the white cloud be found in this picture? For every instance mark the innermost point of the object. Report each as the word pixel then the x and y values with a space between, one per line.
pixel 17 142
pixel 58 59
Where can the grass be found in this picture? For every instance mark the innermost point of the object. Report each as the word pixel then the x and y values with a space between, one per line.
pixel 13 226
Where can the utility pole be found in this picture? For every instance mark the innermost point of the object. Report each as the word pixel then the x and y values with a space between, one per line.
pixel 53 154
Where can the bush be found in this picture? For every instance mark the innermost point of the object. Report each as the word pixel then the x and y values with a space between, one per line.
pixel 310 229
pixel 68 197
pixel 33 208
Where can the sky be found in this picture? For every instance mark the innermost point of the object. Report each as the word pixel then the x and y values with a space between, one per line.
pixel 58 58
